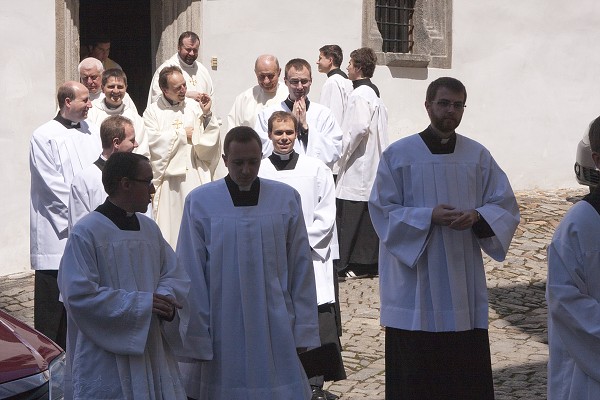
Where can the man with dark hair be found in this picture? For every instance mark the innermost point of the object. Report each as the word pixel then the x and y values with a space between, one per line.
pixel 314 182
pixel 365 138
pixel 337 87
pixel 99 48
pixel 253 301
pixel 573 295
pixel 113 102
pixel 269 91
pixel 59 149
pixel 87 192
pixel 185 145
pixel 438 200
pixel 121 284
pixel 319 134
pixel 196 76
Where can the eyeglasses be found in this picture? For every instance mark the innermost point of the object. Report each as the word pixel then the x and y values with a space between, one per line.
pixel 295 82
pixel 457 105
pixel 147 182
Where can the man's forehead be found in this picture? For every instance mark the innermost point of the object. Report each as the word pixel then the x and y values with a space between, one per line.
pixel 115 80
pixel 188 43
pixel 299 73
pixel 283 124
pixel 91 70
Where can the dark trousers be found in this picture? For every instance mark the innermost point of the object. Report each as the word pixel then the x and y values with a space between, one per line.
pixel 438 365
pixel 49 316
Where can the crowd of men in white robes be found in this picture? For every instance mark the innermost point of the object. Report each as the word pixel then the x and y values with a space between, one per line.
pixel 251 287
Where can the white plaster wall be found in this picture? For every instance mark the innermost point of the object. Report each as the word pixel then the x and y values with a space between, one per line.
pixel 28 87
pixel 530 71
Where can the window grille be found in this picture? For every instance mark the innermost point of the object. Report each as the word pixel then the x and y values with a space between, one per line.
pixel 395 22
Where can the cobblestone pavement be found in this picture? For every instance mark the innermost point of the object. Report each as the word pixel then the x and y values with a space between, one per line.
pixel 518 334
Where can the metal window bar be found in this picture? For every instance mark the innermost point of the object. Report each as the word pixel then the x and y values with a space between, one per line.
pixel 395 22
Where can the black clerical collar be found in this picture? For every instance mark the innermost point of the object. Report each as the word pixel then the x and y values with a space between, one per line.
pixel 284 162
pixel 100 162
pixel 367 82
pixel 290 103
pixel 437 145
pixel 67 123
pixel 243 198
pixel 337 71
pixel 119 216
pixel 594 199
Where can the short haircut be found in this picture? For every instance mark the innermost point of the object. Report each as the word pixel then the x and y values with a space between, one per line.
pixel 164 74
pixel 99 38
pixel 240 134
pixel 119 166
pixel 90 62
pixel 185 35
pixel 452 84
pixel 298 64
pixel 116 73
pixel 282 116
pixel 594 135
pixel 364 59
pixel 334 52
pixel 113 127
pixel 66 90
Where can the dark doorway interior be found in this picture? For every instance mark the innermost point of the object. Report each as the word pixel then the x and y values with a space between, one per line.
pixel 127 24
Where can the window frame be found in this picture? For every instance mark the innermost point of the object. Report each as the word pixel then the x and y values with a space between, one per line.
pixel 432 36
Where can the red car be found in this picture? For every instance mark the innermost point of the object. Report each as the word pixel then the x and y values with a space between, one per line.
pixel 31 365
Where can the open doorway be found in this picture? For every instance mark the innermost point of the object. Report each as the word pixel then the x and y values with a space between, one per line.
pixel 127 24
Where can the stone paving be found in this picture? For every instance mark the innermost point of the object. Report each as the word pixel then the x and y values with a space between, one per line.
pixel 518 334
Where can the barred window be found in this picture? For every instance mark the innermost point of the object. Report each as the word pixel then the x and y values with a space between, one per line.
pixel 395 22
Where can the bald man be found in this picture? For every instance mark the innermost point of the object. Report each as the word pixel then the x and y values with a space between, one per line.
pixel 59 149
pixel 269 91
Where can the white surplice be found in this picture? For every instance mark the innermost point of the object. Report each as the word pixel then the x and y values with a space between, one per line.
pixel 365 138
pixel 324 133
pixel 432 277
pixel 250 102
pixel 179 165
pixel 56 154
pixel 99 112
pixel 196 78
pixel 253 298
pixel 116 347
pixel 87 193
pixel 573 294
pixel 334 95
pixel 314 181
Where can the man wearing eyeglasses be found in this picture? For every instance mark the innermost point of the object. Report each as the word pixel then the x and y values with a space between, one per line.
pixel 365 137
pixel 319 134
pixel 438 200
pixel 122 286
pixel 267 92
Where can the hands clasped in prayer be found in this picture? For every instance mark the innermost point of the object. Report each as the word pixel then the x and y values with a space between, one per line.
pixel 447 215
